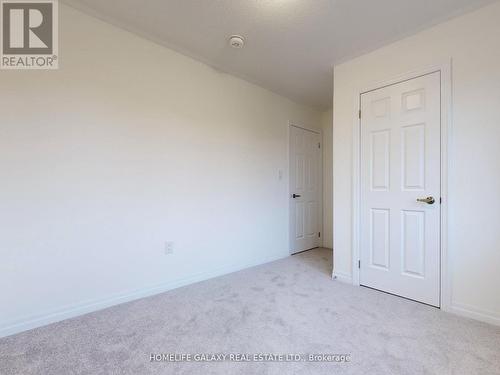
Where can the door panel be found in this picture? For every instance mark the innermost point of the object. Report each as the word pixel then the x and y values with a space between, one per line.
pixel 400 163
pixel 379 238
pixel 305 183
pixel 413 153
pixel 413 243
pixel 380 159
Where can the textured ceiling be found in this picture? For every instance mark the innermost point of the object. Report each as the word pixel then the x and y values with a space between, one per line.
pixel 291 45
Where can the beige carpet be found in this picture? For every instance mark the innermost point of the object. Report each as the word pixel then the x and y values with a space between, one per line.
pixel 289 306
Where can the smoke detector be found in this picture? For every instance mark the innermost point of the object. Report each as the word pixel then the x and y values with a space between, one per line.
pixel 236 41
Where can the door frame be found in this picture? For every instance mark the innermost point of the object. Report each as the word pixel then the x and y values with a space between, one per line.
pixel 445 70
pixel 288 189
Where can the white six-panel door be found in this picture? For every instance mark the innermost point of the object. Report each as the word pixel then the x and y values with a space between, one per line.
pixel 400 164
pixel 305 189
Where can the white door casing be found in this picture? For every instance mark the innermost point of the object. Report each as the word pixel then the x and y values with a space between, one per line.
pixel 305 189
pixel 400 159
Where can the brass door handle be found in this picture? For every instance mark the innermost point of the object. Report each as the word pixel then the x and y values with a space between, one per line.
pixel 428 200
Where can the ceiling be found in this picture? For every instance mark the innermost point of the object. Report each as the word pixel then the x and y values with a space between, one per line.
pixel 291 45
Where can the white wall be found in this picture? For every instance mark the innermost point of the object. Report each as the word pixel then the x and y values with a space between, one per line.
pixel 327 132
pixel 127 146
pixel 474 183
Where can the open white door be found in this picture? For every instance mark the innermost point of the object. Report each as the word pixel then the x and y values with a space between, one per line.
pixel 400 189
pixel 305 189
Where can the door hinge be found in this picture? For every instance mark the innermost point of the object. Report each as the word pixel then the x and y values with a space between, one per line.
pixel 359 114
pixel 440 200
pixel 359 264
pixel 319 145
pixel 319 234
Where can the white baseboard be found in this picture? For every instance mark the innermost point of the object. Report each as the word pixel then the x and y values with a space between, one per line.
pixel 342 277
pixel 71 311
pixel 475 313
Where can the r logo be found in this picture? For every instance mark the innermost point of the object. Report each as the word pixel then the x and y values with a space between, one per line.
pixel 27 28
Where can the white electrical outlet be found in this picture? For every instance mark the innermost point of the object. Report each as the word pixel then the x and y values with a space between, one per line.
pixel 169 247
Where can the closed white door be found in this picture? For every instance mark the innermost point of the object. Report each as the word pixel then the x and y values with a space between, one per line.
pixel 400 189
pixel 305 189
